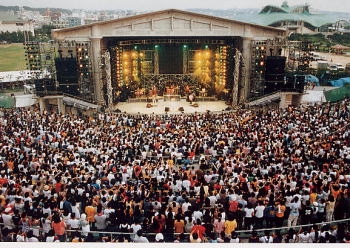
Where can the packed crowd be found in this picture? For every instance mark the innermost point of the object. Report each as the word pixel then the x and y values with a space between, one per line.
pixel 175 178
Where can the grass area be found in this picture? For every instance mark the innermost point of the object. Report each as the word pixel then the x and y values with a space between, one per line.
pixel 12 57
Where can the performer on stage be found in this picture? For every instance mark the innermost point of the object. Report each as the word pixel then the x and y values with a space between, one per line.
pixel 172 89
pixel 154 94
pixel 187 90
pixel 191 97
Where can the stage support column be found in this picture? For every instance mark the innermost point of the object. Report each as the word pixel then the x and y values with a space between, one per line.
pixel 43 104
pixel 244 89
pixel 97 74
pixel 236 78
pixel 185 60
pixel 60 106
pixel 156 61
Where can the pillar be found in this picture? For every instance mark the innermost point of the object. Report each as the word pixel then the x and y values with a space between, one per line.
pixel 60 106
pixel 43 105
pixel 244 89
pixel 97 75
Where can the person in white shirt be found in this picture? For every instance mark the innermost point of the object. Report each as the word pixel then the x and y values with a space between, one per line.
pixel 267 238
pixel 197 215
pixel 73 222
pixel 259 215
pixel 294 212
pixel 139 238
pixel 30 237
pixel 7 218
pixel 234 237
pixel 304 236
pixel 248 218
pixel 46 223
pixel 194 238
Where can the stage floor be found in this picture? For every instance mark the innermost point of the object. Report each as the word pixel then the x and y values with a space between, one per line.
pixel 159 107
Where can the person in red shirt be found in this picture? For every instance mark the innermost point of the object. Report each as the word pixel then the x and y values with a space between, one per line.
pixel 59 226
pixel 199 229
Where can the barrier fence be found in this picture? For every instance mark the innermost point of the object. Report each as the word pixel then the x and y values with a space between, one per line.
pixel 244 235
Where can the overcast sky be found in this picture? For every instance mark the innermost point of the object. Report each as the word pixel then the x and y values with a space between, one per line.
pixel 139 5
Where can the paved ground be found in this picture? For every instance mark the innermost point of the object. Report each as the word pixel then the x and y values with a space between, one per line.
pixel 336 58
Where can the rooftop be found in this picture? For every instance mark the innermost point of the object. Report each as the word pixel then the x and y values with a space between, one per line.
pixel 6 16
pixel 271 14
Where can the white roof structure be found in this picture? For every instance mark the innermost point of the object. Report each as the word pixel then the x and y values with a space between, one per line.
pixel 13 76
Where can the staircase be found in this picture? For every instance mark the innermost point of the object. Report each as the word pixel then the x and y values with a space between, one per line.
pixel 266 99
pixel 78 102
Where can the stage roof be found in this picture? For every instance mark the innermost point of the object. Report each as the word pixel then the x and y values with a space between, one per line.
pixel 170 22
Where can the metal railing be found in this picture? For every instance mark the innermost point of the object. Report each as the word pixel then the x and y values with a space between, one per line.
pixel 243 234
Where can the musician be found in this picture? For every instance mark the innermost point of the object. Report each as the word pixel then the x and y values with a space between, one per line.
pixel 154 94
pixel 187 90
pixel 203 92
pixel 191 97
pixel 172 89
pixel 139 92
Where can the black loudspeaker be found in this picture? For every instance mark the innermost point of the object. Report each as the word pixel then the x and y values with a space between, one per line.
pixel 44 86
pixel 275 68
pixel 67 75
pixel 66 70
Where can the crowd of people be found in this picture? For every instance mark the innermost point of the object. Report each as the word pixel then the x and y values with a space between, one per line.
pixel 201 177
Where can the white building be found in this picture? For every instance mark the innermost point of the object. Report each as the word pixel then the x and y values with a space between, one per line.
pixel 10 23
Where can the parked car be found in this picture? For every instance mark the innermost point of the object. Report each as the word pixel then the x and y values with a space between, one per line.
pixel 347 68
pixel 340 67
pixel 333 68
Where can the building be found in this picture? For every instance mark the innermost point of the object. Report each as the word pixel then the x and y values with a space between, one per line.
pixel 11 23
pixel 299 19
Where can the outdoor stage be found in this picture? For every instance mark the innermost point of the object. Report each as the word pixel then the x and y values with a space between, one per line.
pixel 135 107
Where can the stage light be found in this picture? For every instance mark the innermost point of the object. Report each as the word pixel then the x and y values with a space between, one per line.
pixel 156 46
pixel 206 46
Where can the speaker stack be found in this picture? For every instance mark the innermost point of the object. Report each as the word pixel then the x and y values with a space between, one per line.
pixel 274 73
pixel 67 75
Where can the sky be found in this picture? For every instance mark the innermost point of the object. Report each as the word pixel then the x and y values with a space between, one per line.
pixel 146 5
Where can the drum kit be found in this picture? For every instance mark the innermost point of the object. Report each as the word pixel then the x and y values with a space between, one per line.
pixel 172 90
pixel 140 92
